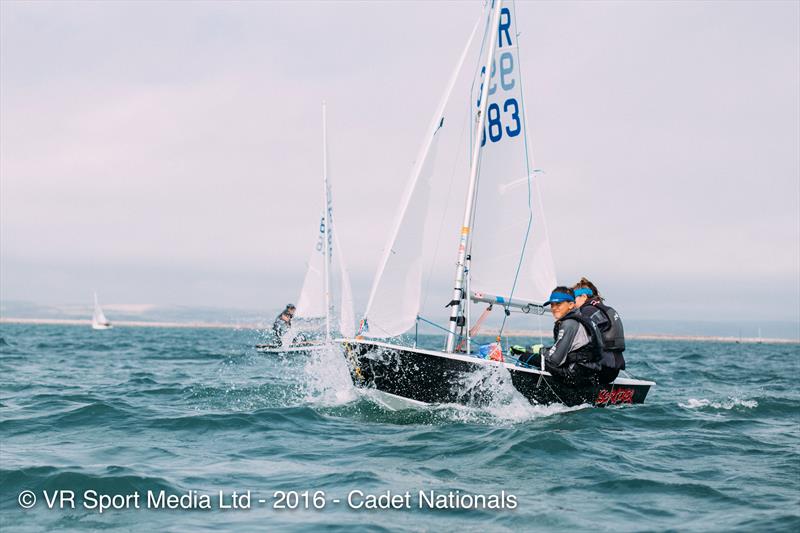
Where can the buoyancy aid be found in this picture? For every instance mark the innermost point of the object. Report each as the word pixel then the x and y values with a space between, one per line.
pixel 592 352
pixel 613 333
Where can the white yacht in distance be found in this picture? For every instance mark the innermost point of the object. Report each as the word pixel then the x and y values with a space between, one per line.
pixel 99 320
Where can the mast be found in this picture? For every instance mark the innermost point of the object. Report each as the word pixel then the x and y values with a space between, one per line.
pixel 327 224
pixel 464 242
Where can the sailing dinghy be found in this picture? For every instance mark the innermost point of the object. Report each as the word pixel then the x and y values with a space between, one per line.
pixel 503 253
pixel 99 320
pixel 315 308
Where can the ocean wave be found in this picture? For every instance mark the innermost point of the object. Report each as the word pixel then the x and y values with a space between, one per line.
pixel 114 480
pixel 644 486
pixel 99 413
pixel 730 403
pixel 503 414
pixel 295 418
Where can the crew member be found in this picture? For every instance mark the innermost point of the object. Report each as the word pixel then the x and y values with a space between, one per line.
pixel 608 321
pixel 283 322
pixel 577 350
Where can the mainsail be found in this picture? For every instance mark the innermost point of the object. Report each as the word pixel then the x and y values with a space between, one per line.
pixel 98 317
pixel 506 235
pixel 315 300
pixel 347 319
pixel 311 303
pixel 510 249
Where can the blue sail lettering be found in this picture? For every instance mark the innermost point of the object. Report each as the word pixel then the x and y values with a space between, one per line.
pixel 514 115
pixel 321 239
pixel 493 118
pixel 504 26
pixel 480 90
pixel 495 123
pixel 492 88
pixel 507 68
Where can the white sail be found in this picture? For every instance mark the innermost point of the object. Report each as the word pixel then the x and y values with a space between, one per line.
pixel 315 301
pixel 311 303
pixel 99 320
pixel 510 249
pixel 394 300
pixel 347 318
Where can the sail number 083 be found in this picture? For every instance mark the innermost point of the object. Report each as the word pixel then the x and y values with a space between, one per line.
pixel 495 125
pixel 494 120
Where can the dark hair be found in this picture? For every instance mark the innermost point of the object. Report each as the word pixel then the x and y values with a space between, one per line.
pixel 565 289
pixel 585 283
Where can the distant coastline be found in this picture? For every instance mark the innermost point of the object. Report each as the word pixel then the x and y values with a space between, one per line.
pixel 252 326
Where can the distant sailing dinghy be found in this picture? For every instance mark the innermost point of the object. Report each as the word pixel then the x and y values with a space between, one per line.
pixel 503 256
pixel 313 323
pixel 99 320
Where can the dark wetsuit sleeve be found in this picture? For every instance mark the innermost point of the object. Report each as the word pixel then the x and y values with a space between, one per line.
pixel 557 353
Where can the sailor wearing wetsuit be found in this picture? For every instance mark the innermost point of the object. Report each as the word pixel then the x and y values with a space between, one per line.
pixel 608 321
pixel 283 322
pixel 576 352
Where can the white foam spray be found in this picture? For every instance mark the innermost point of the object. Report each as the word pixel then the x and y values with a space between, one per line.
pixel 326 377
pixel 488 395
pixel 730 403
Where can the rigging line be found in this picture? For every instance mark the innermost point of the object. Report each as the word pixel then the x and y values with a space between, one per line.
pixel 528 173
pixel 551 390
pixel 434 324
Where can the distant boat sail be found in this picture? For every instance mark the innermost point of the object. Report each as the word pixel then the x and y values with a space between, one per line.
pixel 315 300
pixel 316 304
pixel 99 320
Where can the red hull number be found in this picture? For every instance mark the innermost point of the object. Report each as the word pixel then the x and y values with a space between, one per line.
pixel 615 396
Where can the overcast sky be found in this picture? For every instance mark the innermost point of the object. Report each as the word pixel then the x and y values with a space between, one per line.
pixel 170 152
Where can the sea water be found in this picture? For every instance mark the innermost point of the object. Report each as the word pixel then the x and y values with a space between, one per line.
pixel 131 419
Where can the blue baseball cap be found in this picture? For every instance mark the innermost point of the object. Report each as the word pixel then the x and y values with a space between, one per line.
pixel 558 296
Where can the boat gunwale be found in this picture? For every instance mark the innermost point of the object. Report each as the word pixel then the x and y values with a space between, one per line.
pixel 479 360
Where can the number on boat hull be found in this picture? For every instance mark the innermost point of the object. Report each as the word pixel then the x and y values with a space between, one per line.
pixel 616 396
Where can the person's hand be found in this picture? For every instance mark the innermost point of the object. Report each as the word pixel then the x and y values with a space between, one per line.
pixel 537 349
